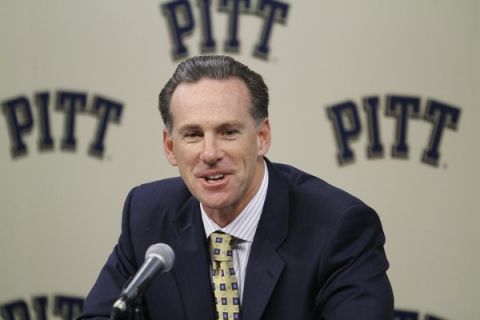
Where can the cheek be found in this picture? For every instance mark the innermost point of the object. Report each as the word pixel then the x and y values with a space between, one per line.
pixel 249 153
pixel 185 154
pixel 245 149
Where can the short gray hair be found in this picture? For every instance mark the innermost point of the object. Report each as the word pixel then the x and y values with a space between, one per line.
pixel 215 67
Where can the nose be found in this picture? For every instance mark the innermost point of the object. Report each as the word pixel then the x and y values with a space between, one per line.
pixel 211 152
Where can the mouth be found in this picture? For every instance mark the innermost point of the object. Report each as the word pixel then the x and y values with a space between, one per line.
pixel 214 178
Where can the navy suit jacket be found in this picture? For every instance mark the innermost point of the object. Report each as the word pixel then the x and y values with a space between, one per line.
pixel 317 254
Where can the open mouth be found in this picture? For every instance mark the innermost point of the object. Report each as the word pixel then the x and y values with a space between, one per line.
pixel 214 178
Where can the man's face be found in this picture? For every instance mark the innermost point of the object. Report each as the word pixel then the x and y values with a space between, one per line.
pixel 216 145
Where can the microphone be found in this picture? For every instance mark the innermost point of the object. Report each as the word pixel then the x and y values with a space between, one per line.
pixel 158 258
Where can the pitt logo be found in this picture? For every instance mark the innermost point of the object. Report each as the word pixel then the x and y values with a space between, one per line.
pixel 63 307
pixel 19 117
pixel 413 315
pixel 346 124
pixel 181 23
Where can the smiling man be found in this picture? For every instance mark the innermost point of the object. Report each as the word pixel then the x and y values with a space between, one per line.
pixel 252 239
pixel 217 145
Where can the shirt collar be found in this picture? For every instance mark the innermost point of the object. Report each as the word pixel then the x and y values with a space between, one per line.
pixel 245 224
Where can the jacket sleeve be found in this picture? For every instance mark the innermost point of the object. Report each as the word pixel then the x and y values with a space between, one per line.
pixel 354 266
pixel 118 269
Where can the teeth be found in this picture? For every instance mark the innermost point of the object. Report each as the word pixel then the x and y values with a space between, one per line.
pixel 215 177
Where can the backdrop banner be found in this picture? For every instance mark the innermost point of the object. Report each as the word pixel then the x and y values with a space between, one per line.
pixel 379 98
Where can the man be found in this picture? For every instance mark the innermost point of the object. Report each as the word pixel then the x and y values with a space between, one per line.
pixel 299 248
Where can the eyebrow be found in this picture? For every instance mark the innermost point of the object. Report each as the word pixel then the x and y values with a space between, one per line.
pixel 188 127
pixel 229 124
pixel 235 124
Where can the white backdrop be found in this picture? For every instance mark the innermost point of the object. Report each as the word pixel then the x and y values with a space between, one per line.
pixel 60 209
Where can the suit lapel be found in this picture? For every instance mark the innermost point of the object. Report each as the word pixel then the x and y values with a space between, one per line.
pixel 265 265
pixel 191 269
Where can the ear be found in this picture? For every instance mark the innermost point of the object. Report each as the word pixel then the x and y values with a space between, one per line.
pixel 168 148
pixel 264 137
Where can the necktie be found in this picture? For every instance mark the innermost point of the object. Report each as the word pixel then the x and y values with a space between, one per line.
pixel 225 283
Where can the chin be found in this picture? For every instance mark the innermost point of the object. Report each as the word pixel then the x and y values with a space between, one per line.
pixel 216 204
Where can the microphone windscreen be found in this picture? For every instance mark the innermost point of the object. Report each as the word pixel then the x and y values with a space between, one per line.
pixel 164 252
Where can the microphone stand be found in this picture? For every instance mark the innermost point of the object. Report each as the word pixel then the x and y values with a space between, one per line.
pixel 127 310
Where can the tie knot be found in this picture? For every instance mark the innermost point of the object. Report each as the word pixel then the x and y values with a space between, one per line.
pixel 221 244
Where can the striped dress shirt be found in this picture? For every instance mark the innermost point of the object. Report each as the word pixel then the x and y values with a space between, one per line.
pixel 242 229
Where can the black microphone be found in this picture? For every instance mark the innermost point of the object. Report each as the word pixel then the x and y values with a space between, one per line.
pixel 158 258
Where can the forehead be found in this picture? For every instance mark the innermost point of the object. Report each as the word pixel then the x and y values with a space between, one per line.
pixel 205 86
pixel 210 98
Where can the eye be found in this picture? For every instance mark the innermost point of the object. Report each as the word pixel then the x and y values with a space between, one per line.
pixel 192 136
pixel 230 133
